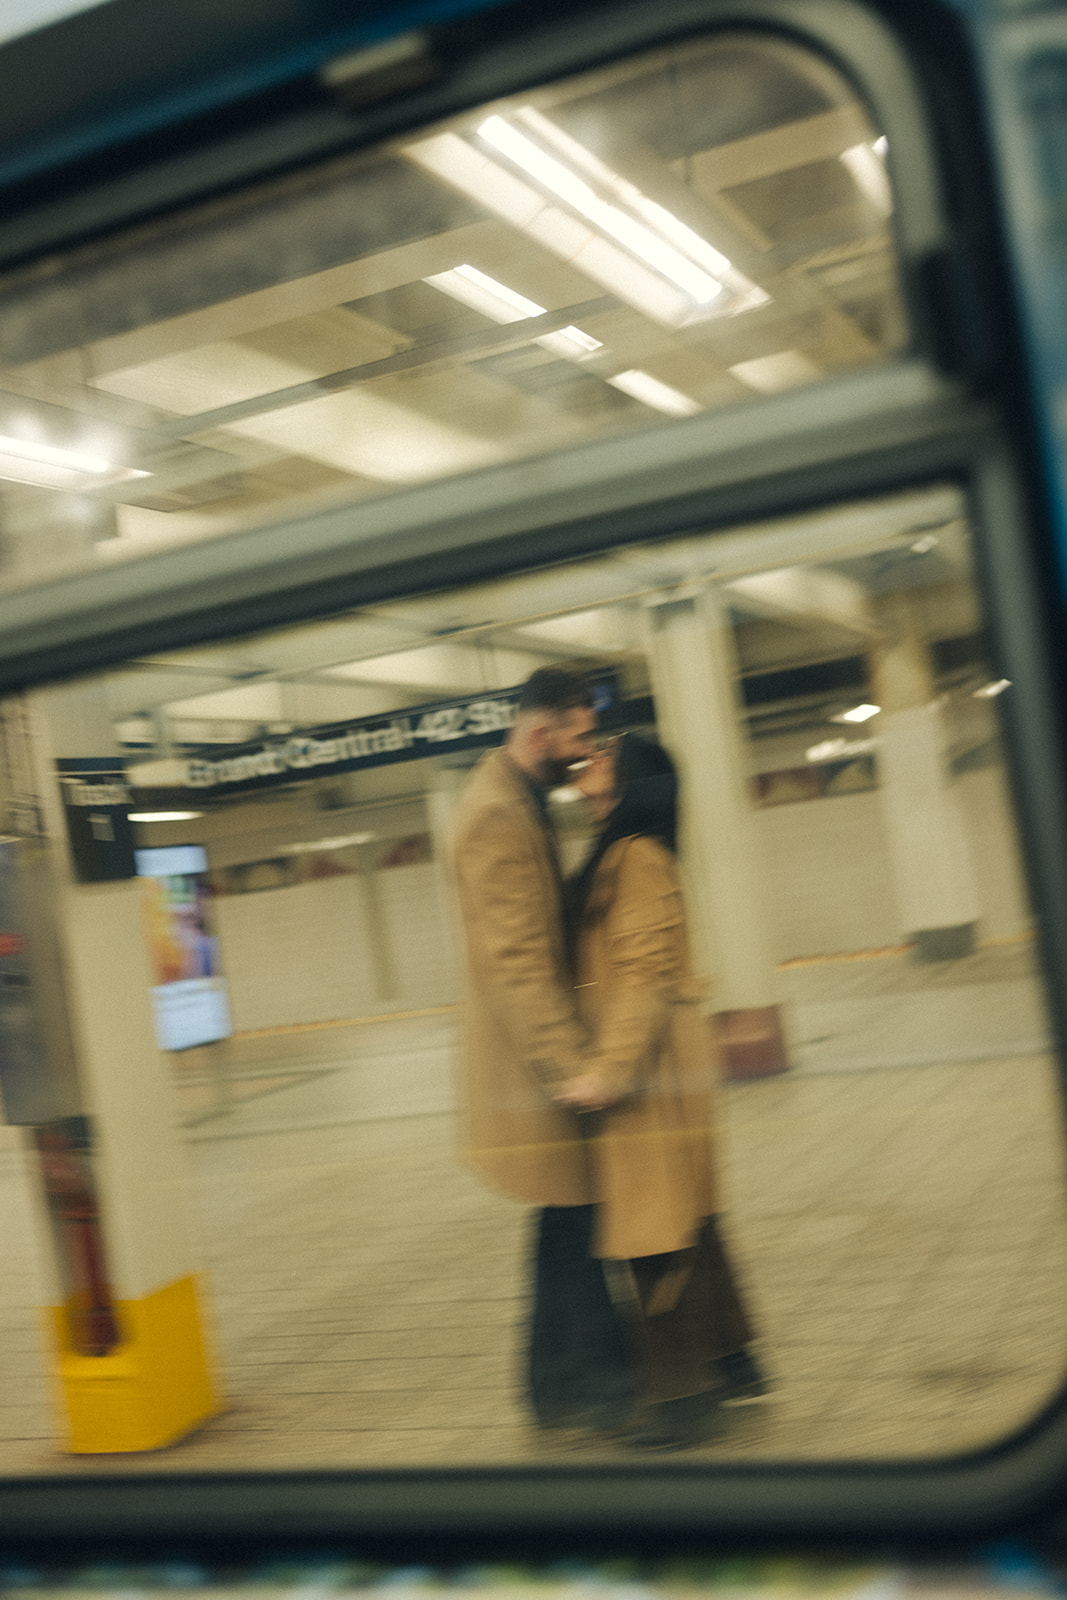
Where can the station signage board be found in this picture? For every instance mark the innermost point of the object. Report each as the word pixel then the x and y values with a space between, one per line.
pixel 96 803
pixel 472 723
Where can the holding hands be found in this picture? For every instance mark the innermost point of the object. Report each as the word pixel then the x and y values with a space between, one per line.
pixel 589 1092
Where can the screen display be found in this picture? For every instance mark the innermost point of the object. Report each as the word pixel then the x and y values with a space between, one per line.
pixel 189 1001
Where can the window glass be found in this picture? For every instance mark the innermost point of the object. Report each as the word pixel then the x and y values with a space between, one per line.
pixel 686 231
pixel 885 1143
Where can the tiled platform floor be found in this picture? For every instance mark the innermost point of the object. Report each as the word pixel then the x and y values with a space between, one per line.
pixel 900 1229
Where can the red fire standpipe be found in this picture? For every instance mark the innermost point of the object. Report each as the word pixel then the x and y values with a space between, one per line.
pixel 71 1194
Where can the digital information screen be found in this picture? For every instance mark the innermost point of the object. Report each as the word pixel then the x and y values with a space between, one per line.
pixel 189 1000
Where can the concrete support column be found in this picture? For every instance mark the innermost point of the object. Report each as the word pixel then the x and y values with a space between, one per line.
pixel 150 1382
pixel 441 800
pixel 693 675
pixel 936 891
pixel 386 985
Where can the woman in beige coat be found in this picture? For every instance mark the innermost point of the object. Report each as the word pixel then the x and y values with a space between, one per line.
pixel 649 1096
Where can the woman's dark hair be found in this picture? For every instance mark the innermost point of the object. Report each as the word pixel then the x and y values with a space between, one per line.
pixel 647 781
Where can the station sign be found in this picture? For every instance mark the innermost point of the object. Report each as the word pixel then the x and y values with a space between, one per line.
pixel 412 734
pixel 96 804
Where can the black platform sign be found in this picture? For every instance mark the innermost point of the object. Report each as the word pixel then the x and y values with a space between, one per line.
pixel 408 735
pixel 97 801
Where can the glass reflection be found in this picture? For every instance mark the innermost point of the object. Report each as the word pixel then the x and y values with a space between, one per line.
pixel 890 1166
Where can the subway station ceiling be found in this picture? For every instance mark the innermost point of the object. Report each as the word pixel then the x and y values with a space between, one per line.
pixel 686 232
pixel 799 592
pixel 683 233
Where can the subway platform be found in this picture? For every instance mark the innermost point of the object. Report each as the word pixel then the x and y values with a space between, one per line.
pixel 896 1207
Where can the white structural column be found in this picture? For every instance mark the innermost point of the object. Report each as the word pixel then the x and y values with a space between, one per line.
pixel 697 715
pixel 441 801
pixel 937 896
pixel 155 1384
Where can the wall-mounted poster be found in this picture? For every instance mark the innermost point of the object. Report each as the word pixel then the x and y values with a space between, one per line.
pixel 189 1000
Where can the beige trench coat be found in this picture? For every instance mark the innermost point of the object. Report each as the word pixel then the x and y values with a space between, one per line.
pixel 652 1153
pixel 523 1034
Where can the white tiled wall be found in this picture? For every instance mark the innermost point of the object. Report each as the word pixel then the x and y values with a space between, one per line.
pixel 423 946
pixel 830 878
pixel 305 954
pixel 297 955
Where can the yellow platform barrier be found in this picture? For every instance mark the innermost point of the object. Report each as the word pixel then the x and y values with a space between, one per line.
pixel 152 1389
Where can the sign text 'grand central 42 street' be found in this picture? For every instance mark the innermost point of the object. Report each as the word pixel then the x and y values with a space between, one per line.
pixel 402 736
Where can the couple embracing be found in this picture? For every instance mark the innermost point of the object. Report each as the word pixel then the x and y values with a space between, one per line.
pixel 588 1085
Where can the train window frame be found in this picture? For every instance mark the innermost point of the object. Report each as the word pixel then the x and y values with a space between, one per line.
pixel 909 420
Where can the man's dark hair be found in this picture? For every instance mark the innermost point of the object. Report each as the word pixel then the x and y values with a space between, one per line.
pixel 555 689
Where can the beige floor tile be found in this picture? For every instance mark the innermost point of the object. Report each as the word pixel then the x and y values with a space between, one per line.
pixel 902 1233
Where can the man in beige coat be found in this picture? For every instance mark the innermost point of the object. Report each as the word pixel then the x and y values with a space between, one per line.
pixel 525 1046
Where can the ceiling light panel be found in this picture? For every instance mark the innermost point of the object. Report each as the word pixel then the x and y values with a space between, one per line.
pixel 50 467
pixel 646 243
pixel 651 392
pixel 501 304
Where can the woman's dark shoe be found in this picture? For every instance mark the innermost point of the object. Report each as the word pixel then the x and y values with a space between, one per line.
pixel 678 1424
pixel 743 1380
pixel 605 1416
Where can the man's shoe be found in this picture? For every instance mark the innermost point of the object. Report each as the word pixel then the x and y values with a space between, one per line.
pixel 743 1380
pixel 679 1424
pixel 603 1416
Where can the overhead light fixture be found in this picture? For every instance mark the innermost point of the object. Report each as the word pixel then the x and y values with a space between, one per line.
pixel 635 236
pixel 572 342
pixel 610 230
pixel 662 221
pixel 163 816
pixel 483 293
pixel 834 749
pixel 865 163
pixel 49 467
pixel 861 713
pixel 338 842
pixel 651 392
pixel 923 546
pixel 497 301
pixel 786 369
pixel 989 691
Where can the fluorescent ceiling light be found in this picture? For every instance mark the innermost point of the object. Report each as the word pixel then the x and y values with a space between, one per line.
pixel 924 545
pixel 633 235
pixel 48 467
pixel 339 842
pixel 834 749
pixel 164 816
pixel 868 171
pixel 471 172
pixel 483 293
pixel 786 369
pixel 658 217
pixel 989 691
pixel 503 304
pixel 644 254
pixel 570 342
pixel 862 713
pixel 661 221
pixel 644 387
